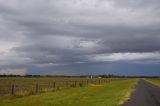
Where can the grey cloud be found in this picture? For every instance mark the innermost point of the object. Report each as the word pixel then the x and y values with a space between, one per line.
pixel 67 32
pixel 154 4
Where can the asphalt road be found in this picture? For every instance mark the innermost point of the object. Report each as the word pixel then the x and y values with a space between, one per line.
pixel 146 94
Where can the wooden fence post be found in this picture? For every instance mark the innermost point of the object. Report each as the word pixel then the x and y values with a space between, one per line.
pixel 36 87
pixel 66 84
pixel 81 84
pixel 54 84
pixel 75 83
pixel 13 90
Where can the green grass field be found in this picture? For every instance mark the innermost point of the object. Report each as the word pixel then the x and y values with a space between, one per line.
pixel 110 94
pixel 155 81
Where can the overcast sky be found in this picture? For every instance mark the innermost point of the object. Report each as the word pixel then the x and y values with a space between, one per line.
pixel 75 37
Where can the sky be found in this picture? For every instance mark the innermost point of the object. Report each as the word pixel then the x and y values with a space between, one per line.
pixel 80 37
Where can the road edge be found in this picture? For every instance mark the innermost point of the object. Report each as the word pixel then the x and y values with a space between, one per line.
pixel 128 95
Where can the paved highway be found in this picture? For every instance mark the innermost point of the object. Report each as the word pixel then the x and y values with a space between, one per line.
pixel 146 94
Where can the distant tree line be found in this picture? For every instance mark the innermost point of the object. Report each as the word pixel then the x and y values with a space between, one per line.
pixel 81 76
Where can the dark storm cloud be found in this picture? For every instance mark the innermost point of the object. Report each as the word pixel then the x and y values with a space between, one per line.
pixel 59 32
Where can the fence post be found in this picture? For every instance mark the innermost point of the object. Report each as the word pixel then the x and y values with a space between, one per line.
pixel 36 87
pixel 66 84
pixel 54 85
pixel 75 83
pixel 13 89
pixel 81 84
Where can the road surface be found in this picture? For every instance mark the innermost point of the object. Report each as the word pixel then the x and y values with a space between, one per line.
pixel 146 94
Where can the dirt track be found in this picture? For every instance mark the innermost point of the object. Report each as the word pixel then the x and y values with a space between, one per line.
pixel 146 94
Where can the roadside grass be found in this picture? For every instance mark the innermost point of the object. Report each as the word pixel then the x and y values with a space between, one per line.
pixel 155 81
pixel 110 94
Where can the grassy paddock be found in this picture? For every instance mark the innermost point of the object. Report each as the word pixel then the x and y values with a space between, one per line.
pixel 110 94
pixel 155 81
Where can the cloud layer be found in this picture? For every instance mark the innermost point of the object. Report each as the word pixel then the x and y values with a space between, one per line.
pixel 51 33
pixel 13 72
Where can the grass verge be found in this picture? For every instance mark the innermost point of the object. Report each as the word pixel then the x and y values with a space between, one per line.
pixel 110 94
pixel 155 81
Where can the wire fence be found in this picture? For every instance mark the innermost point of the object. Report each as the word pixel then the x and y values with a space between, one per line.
pixel 28 88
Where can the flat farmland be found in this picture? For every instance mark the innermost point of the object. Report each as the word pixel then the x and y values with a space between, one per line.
pixel 106 94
